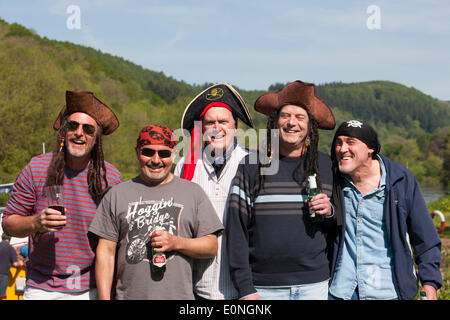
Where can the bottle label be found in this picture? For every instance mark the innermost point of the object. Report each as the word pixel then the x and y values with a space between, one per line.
pixel 312 192
pixel 159 260
pixel 312 181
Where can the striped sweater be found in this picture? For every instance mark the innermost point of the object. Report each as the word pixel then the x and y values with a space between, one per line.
pixel 270 238
pixel 60 261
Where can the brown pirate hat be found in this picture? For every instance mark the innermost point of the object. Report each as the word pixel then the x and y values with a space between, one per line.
pixel 220 93
pixel 300 94
pixel 86 102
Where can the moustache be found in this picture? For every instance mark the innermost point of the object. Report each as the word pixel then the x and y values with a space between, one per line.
pixel 156 165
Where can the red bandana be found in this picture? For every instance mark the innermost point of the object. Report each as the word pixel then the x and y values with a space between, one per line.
pixel 156 134
pixel 216 104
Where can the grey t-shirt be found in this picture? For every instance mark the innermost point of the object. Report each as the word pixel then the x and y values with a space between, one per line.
pixel 129 213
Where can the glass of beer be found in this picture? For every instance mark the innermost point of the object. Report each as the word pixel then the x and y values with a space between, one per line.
pixel 55 198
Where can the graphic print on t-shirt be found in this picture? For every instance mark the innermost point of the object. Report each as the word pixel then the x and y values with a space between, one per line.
pixel 142 218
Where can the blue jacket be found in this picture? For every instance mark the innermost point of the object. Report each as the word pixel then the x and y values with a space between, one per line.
pixel 408 223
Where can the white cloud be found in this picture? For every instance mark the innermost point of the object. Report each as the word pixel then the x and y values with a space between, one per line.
pixel 179 35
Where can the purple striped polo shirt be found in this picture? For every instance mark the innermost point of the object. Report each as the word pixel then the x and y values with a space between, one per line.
pixel 62 261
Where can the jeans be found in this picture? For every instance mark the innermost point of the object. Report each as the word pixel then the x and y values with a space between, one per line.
pixel 3 284
pixel 313 291
pixel 355 296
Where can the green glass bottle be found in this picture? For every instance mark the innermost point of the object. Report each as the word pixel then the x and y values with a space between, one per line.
pixel 423 295
pixel 158 258
pixel 312 183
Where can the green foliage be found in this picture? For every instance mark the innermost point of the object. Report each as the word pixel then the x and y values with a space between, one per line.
pixel 445 149
pixel 4 197
pixel 17 30
pixel 425 163
pixel 276 86
pixel 443 205
pixel 387 102
pixel 444 292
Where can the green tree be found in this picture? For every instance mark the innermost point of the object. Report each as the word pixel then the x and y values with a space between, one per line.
pixel 446 162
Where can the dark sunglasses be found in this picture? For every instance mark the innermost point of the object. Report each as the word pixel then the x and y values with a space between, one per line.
pixel 87 128
pixel 151 152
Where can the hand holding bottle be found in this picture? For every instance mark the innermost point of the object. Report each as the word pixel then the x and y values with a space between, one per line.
pixel 158 255
pixel 320 204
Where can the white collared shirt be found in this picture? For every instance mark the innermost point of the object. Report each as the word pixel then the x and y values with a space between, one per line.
pixel 211 277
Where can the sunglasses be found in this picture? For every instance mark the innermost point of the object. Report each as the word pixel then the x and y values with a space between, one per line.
pixel 151 152
pixel 87 128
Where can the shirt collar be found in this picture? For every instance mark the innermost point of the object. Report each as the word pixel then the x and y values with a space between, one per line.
pixel 348 184
pixel 221 159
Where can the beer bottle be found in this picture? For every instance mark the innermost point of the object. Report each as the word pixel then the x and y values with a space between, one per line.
pixel 312 192
pixel 423 295
pixel 158 258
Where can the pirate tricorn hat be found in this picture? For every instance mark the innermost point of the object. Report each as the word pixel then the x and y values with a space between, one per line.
pixel 219 95
pixel 86 102
pixel 216 95
pixel 300 94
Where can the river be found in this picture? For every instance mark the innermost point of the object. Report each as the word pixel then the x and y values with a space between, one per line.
pixel 432 194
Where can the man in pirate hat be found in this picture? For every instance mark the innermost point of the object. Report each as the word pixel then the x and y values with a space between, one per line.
pixel 126 223
pixel 275 249
pixel 214 113
pixel 60 261
pixel 384 218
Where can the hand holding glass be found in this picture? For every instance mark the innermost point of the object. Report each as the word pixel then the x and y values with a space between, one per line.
pixel 55 199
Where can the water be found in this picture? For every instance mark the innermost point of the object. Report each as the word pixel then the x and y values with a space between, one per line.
pixel 432 194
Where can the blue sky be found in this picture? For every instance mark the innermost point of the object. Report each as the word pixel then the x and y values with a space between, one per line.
pixel 252 44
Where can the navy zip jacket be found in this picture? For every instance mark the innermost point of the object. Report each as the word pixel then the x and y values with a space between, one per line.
pixel 411 233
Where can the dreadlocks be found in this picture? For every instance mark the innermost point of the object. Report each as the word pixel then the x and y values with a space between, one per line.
pixel 96 171
pixel 308 162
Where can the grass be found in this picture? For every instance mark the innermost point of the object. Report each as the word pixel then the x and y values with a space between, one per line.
pixel 443 204
pixel 444 292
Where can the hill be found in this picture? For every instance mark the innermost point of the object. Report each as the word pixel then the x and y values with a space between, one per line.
pixel 37 71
